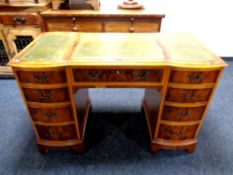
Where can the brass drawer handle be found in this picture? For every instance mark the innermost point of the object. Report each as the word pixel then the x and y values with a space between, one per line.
pixel 19 20
pixel 54 133
pixel 50 115
pixel 184 113
pixel 40 78
pixel 177 134
pixel 45 97
pixel 94 75
pixel 143 76
pixel 195 78
pixel 188 96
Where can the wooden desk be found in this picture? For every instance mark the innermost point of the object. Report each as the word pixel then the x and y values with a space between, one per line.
pixel 178 73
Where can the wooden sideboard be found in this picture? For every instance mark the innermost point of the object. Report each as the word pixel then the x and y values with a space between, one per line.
pixel 108 19
pixel 178 73
pixel 20 23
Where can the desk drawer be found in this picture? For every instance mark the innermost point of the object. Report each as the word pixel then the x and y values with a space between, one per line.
pixel 177 132
pixel 188 95
pixel 42 77
pixel 182 113
pixel 190 77
pixel 46 95
pixel 93 75
pixel 57 133
pixel 56 115
pixel 15 19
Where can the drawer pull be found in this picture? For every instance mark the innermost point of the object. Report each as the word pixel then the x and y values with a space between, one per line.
pixel 184 113
pixel 19 20
pixel 45 97
pixel 50 115
pixel 188 96
pixel 177 134
pixel 75 28
pixel 94 75
pixel 195 78
pixel 131 29
pixel 54 133
pixel 40 79
pixel 143 76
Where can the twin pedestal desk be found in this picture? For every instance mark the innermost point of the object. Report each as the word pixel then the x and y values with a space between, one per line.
pixel 178 73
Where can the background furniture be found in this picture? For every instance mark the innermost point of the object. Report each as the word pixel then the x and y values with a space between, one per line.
pixel 107 19
pixel 20 23
pixel 178 73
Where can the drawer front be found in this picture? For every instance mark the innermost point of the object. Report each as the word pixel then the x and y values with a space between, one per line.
pixel 73 24
pixel 118 75
pixel 48 77
pixel 20 19
pixel 182 113
pixel 193 77
pixel 56 115
pixel 57 133
pixel 46 95
pixel 117 26
pixel 87 26
pixel 188 95
pixel 146 26
pixel 177 132
pixel 132 25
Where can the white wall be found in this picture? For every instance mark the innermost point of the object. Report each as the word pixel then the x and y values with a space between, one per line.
pixel 211 21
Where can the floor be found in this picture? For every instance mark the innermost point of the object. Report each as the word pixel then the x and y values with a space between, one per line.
pixel 117 138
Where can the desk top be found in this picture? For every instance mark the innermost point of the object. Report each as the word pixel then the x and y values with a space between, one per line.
pixel 54 49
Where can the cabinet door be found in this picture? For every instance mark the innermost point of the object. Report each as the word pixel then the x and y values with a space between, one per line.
pixel 19 38
pixel 4 58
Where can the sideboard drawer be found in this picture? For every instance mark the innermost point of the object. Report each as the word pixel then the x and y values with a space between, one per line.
pixel 47 115
pixel 92 75
pixel 182 113
pixel 132 24
pixel 46 95
pixel 42 77
pixel 74 24
pixel 193 77
pixel 177 132
pixel 188 95
pixel 27 19
pixel 57 133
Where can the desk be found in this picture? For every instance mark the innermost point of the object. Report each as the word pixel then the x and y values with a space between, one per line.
pixel 178 73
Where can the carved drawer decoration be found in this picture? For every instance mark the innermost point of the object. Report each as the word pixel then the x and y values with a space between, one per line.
pixel 57 133
pixel 54 115
pixel 188 95
pixel 46 95
pixel 42 77
pixel 193 77
pixel 182 113
pixel 177 132
pixel 118 75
